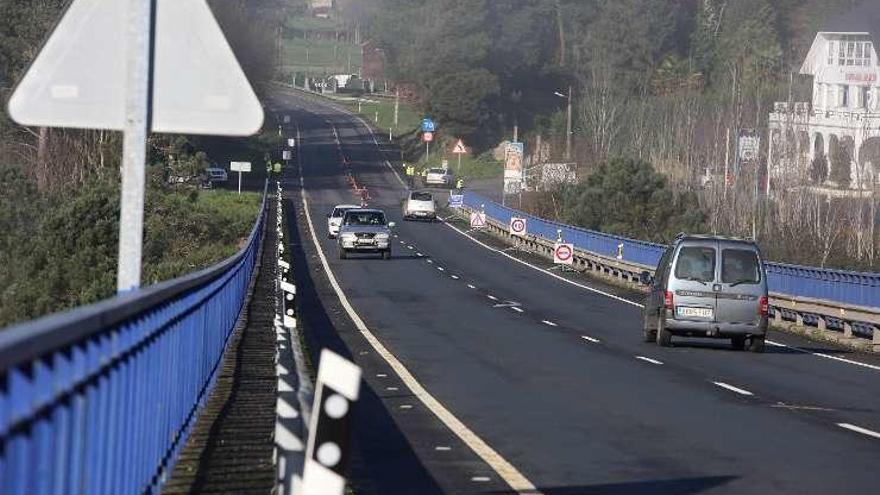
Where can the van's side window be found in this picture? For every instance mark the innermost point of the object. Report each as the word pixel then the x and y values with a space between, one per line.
pixel 740 266
pixel 696 263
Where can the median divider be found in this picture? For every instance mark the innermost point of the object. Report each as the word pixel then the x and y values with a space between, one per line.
pixel 792 287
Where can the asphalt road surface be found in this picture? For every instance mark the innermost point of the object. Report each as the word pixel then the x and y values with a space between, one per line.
pixel 552 377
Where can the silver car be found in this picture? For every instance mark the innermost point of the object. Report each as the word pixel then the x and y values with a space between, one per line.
pixel 365 231
pixel 708 286
pixel 438 177
pixel 334 219
pixel 419 205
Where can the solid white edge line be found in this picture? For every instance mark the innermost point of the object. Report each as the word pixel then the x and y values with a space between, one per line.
pixel 737 390
pixel 591 339
pixel 571 282
pixel 859 429
pixel 649 360
pixel 516 480
pixel 823 355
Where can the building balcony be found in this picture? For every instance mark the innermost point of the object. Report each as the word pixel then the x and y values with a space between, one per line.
pixel 804 114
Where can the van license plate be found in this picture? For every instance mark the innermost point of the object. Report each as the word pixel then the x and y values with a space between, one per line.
pixel 694 312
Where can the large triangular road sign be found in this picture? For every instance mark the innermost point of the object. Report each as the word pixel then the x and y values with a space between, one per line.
pixel 78 79
pixel 459 148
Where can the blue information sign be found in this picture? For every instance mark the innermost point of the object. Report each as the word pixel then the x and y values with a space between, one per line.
pixel 428 125
pixel 456 200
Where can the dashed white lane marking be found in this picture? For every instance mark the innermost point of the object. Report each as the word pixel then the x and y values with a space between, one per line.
pixel 737 390
pixel 480 479
pixel 381 375
pixel 826 356
pixel 410 247
pixel 454 277
pixel 406 406
pixel 471 286
pixel 591 339
pixel 538 268
pixel 859 429
pixel 419 254
pixel 430 261
pixel 490 296
pixel 391 389
pixel 440 268
pixel 442 448
pixel 649 360
pixel 548 322
pixel 512 476
pixel 518 310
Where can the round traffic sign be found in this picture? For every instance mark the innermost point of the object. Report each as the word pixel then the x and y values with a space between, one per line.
pixel 564 252
pixel 518 226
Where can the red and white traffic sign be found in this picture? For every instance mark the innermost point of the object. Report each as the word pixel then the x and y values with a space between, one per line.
pixel 478 220
pixel 459 148
pixel 427 137
pixel 518 226
pixel 563 254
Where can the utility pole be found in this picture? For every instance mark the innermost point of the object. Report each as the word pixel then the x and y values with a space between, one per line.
pixel 138 103
pixel 568 129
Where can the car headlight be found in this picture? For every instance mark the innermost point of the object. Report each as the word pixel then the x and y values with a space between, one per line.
pixel 348 236
pixel 382 236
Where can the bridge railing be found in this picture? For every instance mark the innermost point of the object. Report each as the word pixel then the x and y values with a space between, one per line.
pixel 100 399
pixel 824 298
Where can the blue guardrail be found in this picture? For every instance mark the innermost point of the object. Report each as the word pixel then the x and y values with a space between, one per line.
pixel 100 399
pixel 845 287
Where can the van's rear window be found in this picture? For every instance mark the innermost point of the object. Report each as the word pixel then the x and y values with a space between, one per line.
pixel 696 263
pixel 740 266
pixel 420 196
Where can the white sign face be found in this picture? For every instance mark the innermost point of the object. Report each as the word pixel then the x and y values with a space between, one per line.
pixel 518 226
pixel 553 174
pixel 459 148
pixel 287 155
pixel 291 142
pixel 79 78
pixel 240 166
pixel 563 254
pixel 478 220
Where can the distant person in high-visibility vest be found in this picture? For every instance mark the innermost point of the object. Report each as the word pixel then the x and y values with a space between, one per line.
pixel 459 184
pixel 277 168
pixel 410 173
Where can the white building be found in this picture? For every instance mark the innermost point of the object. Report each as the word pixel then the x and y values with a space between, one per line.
pixel 844 114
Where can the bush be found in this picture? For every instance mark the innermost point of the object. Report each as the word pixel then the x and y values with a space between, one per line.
pixel 627 197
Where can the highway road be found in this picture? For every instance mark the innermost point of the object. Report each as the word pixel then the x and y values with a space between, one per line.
pixel 485 373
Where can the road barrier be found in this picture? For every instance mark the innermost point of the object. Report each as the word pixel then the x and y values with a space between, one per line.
pixel 848 302
pixel 100 399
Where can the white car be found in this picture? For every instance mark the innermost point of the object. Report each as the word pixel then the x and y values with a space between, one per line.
pixel 216 174
pixel 419 205
pixel 438 177
pixel 334 219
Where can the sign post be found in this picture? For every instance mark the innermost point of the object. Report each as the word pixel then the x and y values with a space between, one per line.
pixel 428 129
pixel 240 167
pixel 173 72
pixel 459 149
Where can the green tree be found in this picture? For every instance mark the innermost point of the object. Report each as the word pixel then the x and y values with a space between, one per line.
pixel 628 197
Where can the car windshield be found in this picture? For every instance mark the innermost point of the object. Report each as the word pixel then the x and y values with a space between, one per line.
pixel 436 171
pixel 696 263
pixel 338 212
pixel 364 218
pixel 420 196
pixel 740 266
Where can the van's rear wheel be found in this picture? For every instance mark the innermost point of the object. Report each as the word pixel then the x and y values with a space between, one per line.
pixel 756 344
pixel 648 335
pixel 664 336
pixel 738 343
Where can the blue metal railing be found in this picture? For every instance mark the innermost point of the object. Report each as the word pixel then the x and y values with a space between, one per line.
pixel 853 288
pixel 100 399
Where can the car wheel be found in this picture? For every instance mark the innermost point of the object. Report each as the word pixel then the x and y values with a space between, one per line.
pixel 647 334
pixel 756 344
pixel 664 336
pixel 386 255
pixel 738 343
pixel 343 254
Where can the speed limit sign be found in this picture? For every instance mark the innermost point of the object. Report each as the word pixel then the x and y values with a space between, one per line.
pixel 518 226
pixel 563 254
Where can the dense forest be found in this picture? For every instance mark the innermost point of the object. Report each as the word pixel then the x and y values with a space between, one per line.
pixel 665 83
pixel 59 188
